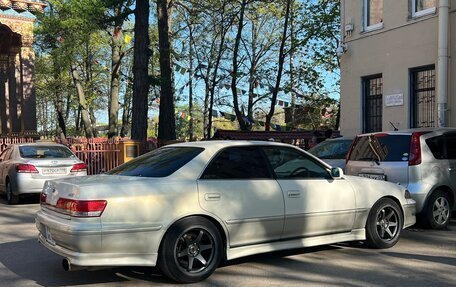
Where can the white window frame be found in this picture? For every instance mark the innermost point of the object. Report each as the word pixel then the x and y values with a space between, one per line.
pixel 372 27
pixel 416 14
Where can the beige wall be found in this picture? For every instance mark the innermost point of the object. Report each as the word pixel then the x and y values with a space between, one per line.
pixel 401 44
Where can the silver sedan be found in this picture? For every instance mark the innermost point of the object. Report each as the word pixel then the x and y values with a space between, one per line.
pixel 25 167
pixel 186 206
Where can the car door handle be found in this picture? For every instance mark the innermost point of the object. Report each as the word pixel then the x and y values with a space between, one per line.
pixel 212 196
pixel 451 169
pixel 293 193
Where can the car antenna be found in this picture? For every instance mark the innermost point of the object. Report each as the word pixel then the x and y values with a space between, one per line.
pixel 395 129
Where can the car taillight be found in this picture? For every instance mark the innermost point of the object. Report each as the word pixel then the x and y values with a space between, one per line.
pixel 79 167
pixel 415 149
pixel 26 168
pixel 81 208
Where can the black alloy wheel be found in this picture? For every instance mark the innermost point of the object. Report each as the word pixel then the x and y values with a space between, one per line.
pixel 191 250
pixel 384 224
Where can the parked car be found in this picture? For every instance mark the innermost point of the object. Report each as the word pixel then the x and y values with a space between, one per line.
pixel 333 151
pixel 25 167
pixel 186 206
pixel 422 160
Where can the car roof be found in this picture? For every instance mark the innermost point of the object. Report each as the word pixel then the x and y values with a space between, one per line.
pixel 344 138
pixel 410 131
pixel 39 144
pixel 226 143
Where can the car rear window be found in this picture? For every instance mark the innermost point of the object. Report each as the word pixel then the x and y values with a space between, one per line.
pixel 158 163
pixel 45 152
pixel 381 147
pixel 332 149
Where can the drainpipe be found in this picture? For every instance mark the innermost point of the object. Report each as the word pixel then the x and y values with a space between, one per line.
pixel 442 73
pixel 342 21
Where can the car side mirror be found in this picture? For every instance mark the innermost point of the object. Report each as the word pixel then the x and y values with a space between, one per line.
pixel 337 173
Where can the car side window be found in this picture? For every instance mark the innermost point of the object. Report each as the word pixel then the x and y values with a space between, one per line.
pixel 238 163
pixel 289 163
pixel 437 146
pixel 450 144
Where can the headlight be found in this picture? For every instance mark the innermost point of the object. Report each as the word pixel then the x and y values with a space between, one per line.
pixel 407 194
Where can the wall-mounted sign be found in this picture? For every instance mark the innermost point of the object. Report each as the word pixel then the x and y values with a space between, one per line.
pixel 394 100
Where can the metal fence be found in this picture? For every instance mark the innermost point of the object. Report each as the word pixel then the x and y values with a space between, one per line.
pixel 99 154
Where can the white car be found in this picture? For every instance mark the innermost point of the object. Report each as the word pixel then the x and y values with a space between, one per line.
pixel 186 206
pixel 25 167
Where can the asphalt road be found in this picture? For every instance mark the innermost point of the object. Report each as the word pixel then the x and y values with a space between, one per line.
pixel 421 258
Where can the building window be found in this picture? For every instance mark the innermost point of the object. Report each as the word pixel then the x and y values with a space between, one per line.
pixel 423 97
pixel 373 103
pixel 373 15
pixel 423 7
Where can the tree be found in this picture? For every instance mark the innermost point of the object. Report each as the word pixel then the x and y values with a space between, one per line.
pixel 140 72
pixel 119 11
pixel 167 125
pixel 282 55
pixel 65 33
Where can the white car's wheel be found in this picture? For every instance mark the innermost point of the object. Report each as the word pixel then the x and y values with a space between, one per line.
pixel 191 250
pixel 11 198
pixel 438 210
pixel 384 224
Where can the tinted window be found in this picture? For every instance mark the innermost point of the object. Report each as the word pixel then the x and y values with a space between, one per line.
pixel 333 149
pixel 437 146
pixel 451 145
pixel 381 147
pixel 238 163
pixel 158 163
pixel 290 163
pixel 45 152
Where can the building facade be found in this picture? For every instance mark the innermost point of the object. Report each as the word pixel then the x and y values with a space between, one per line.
pixel 396 66
pixel 17 93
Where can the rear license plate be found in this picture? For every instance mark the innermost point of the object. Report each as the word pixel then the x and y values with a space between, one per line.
pixel 48 235
pixel 53 170
pixel 373 176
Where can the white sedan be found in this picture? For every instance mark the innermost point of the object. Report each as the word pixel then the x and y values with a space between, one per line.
pixel 184 207
pixel 25 167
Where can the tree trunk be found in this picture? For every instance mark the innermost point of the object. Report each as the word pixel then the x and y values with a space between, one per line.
pixel 190 86
pixel 126 112
pixel 239 116
pixel 114 95
pixel 167 124
pixel 280 68
pixel 140 72
pixel 82 101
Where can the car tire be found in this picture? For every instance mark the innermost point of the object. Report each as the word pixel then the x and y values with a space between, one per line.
pixel 191 250
pixel 11 198
pixel 438 210
pixel 384 224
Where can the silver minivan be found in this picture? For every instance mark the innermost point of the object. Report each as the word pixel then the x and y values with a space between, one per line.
pixel 423 160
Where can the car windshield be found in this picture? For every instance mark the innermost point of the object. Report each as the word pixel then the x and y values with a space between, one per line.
pixel 45 152
pixel 381 147
pixel 331 149
pixel 158 163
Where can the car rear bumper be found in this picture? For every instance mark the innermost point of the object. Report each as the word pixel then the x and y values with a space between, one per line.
pixel 31 183
pixel 419 192
pixel 81 243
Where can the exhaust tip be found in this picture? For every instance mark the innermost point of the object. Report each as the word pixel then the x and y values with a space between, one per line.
pixel 66 264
